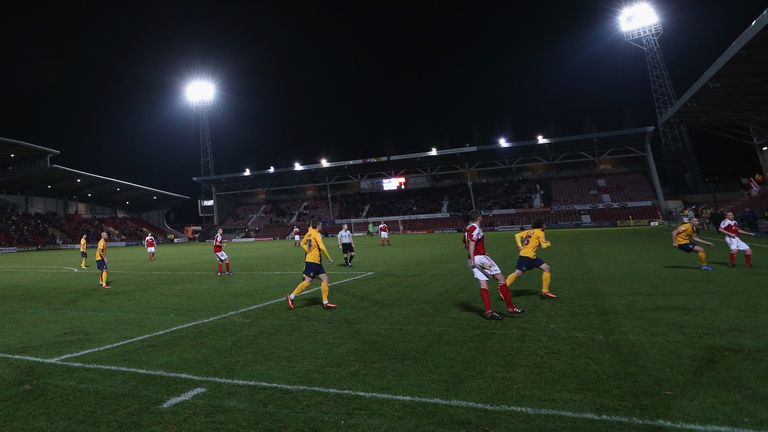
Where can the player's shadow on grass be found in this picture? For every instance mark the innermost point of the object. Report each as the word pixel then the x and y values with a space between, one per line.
pixel 695 267
pixel 523 293
pixel 473 309
pixel 308 302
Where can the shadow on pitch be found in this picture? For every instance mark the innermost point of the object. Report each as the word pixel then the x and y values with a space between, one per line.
pixel 696 267
pixel 470 308
pixel 309 302
pixel 523 293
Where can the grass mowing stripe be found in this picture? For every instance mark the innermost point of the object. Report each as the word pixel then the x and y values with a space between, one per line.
pixel 49 269
pixel 195 323
pixel 636 421
pixel 184 397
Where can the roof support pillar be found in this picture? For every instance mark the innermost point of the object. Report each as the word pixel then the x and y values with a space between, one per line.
pixel 654 174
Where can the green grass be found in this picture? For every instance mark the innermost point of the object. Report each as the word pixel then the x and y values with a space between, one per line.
pixel 638 331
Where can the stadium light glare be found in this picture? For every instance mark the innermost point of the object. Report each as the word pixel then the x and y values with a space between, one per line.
pixel 503 142
pixel 247 172
pixel 78 180
pixel 127 202
pixel 637 16
pixel 49 186
pixel 271 169
pixel 297 166
pixel 13 155
pixel 324 162
pixel 765 148
pixel 118 189
pixel 154 197
pixel 433 152
pixel 200 92
pixel 89 194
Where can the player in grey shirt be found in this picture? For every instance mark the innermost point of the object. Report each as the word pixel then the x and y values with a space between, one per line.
pixel 346 244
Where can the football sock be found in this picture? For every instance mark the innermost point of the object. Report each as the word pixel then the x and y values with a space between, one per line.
pixel 511 279
pixel 504 290
pixel 346 260
pixel 299 288
pixel 702 258
pixel 324 290
pixel 748 260
pixel 103 278
pixel 352 256
pixel 219 267
pixel 732 258
pixel 545 278
pixel 227 267
pixel 486 299
pixel 83 263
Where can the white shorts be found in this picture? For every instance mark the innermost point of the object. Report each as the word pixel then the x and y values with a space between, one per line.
pixel 485 268
pixel 221 256
pixel 736 244
pixel 150 250
pixel 385 235
pixel 297 238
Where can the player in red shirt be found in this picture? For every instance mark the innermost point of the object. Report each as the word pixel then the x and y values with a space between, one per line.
pixel 218 249
pixel 296 236
pixel 384 234
pixel 731 229
pixel 149 243
pixel 484 268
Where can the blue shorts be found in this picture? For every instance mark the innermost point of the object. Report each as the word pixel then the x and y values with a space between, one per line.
pixel 525 263
pixel 688 247
pixel 83 255
pixel 101 264
pixel 313 270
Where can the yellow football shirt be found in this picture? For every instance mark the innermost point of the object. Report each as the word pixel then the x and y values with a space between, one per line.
pixel 83 244
pixel 684 234
pixel 101 250
pixel 312 243
pixel 530 241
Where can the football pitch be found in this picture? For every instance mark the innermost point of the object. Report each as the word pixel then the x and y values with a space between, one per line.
pixel 640 339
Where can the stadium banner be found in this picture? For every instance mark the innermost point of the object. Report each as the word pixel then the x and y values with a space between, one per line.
pixel 602 206
pixel 8 250
pixel 181 240
pixel 394 218
pixel 243 240
pixel 636 222
pixel 120 244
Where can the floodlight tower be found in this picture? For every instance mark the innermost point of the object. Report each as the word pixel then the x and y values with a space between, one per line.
pixel 642 28
pixel 200 96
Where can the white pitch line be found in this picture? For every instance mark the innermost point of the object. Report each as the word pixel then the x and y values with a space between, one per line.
pixel 538 412
pixel 195 323
pixel 184 397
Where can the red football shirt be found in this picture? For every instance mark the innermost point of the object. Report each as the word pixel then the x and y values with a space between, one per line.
pixel 475 234
pixel 218 243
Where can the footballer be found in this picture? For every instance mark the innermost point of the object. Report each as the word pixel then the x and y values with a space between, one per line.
pixel 686 239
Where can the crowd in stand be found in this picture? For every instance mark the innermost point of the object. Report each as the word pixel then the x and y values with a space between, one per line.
pixel 42 229
pixel 25 229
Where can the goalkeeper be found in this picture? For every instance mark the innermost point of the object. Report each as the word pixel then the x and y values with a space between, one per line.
pixel 528 243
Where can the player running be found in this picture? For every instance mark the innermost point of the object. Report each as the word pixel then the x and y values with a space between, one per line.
pixel 149 243
pixel 681 239
pixel 347 244
pixel 101 259
pixel 528 243
pixel 313 245
pixel 218 249
pixel 384 234
pixel 296 236
pixel 731 229
pixel 83 249
pixel 484 268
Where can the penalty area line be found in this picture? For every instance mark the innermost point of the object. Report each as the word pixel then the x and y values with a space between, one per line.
pixel 453 403
pixel 184 397
pixel 199 322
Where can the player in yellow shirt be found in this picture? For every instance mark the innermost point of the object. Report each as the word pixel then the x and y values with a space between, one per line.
pixel 313 246
pixel 681 239
pixel 83 249
pixel 101 259
pixel 528 243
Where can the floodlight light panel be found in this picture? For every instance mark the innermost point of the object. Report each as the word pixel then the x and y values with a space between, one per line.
pixel 638 16
pixel 200 92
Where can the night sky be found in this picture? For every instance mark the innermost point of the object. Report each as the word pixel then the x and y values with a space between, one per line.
pixel 337 80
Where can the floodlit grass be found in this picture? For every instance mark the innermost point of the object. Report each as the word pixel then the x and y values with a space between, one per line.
pixel 638 332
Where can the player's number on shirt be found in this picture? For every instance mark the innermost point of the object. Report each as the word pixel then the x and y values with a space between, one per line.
pixel 526 240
